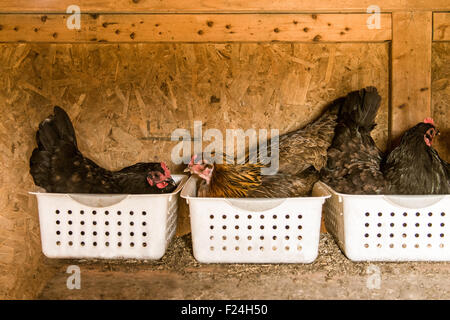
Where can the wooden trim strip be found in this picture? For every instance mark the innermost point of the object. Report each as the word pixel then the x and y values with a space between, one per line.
pixel 194 28
pixel 411 71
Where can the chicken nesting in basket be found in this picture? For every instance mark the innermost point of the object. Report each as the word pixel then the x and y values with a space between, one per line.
pixel 58 166
pixel 91 212
pixel 240 215
pixel 302 154
pixel 386 207
pixel 356 166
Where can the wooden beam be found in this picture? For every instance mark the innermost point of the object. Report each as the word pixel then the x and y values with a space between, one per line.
pixel 193 28
pixel 411 70
pixel 219 6
pixel 441 26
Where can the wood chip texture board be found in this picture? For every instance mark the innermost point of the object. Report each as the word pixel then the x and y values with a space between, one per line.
pixel 126 99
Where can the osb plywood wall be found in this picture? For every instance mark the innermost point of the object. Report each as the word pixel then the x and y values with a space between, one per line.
pixel 441 95
pixel 126 99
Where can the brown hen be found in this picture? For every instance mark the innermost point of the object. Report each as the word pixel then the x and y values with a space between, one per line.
pixel 302 153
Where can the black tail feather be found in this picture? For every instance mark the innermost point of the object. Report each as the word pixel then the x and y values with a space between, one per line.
pixel 54 132
pixel 360 109
pixel 55 128
pixel 64 126
pixel 47 137
pixel 40 167
pixel 353 164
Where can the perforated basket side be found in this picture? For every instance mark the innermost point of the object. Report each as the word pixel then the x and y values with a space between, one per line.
pixel 222 233
pixel 380 231
pixel 132 229
pixel 390 228
pixel 118 226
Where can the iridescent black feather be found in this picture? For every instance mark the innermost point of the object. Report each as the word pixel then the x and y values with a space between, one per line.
pixel 58 166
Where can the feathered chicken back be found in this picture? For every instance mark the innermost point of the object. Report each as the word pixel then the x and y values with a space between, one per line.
pixel 307 147
pixel 353 164
pixel 58 166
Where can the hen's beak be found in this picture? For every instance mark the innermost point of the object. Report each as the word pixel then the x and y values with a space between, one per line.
pixel 187 169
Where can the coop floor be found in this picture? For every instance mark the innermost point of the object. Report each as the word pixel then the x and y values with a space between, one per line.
pixel 179 276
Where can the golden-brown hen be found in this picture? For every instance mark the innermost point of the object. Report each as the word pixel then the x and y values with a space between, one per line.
pixel 246 181
pixel 302 154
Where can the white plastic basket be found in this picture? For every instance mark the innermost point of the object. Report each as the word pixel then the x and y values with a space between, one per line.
pixel 276 230
pixel 108 226
pixel 389 228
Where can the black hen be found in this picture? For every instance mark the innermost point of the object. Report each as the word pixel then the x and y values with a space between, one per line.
pixel 414 167
pixel 58 166
pixel 356 166
pixel 354 161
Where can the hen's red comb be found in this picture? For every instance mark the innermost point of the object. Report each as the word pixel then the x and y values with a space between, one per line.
pixel 429 120
pixel 166 169
pixel 194 157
